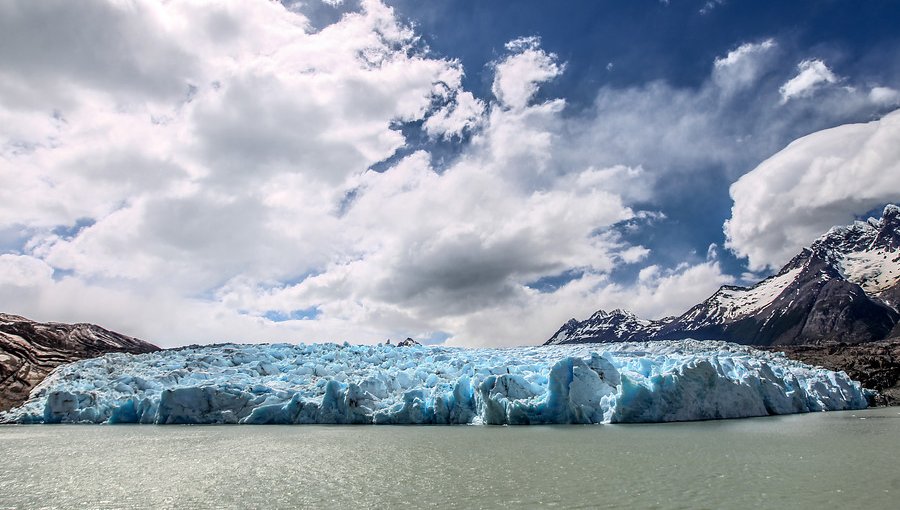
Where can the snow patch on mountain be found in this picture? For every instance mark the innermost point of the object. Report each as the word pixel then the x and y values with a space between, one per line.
pixel 731 303
pixel 875 271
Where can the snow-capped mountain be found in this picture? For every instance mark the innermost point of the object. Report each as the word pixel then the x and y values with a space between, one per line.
pixel 30 350
pixel 845 287
pixel 615 326
pixel 867 253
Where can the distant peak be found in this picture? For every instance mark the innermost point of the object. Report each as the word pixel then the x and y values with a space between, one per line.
pixel 890 216
pixel 860 236
pixel 616 312
pixel 409 342
pixel 600 314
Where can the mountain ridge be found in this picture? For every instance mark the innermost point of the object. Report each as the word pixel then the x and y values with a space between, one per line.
pixel 30 350
pixel 844 287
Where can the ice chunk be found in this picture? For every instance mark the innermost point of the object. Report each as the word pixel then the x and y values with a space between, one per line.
pixel 345 384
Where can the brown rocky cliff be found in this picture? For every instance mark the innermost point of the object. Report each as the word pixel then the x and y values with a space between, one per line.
pixel 30 350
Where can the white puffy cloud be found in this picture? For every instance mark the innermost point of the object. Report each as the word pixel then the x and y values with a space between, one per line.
pixel 53 50
pixel 516 77
pixel 662 293
pixel 682 137
pixel 812 74
pixel 455 251
pixel 230 182
pixel 198 141
pixel 209 173
pixel 463 113
pixel 823 179
pixel 741 67
pixel 885 96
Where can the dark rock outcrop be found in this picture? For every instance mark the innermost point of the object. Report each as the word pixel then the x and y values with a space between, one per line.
pixel 30 350
pixel 876 365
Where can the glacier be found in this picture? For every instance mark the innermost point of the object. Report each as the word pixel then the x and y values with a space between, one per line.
pixel 384 384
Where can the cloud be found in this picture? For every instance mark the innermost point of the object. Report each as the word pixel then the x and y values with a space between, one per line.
pixel 244 190
pixel 885 96
pixel 710 5
pixel 661 292
pixel 462 114
pixel 228 152
pixel 442 251
pixel 715 131
pixel 741 67
pixel 251 177
pixel 824 179
pixel 533 316
pixel 133 53
pixel 517 76
pixel 813 74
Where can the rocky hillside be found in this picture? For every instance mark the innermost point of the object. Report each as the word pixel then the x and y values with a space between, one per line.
pixel 30 350
pixel 875 364
pixel 845 288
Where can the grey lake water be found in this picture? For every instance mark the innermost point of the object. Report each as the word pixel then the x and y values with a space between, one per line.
pixel 845 459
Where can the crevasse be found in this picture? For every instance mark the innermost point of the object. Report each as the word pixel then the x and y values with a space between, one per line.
pixel 354 384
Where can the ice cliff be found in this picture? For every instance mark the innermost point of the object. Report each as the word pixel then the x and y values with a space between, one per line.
pixel 330 383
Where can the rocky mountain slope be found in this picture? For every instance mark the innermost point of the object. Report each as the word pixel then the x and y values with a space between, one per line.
pixel 843 288
pixel 876 365
pixel 30 350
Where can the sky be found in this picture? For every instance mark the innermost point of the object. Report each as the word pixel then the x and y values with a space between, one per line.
pixel 462 172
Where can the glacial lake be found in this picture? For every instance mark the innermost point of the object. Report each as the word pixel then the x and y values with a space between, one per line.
pixel 843 459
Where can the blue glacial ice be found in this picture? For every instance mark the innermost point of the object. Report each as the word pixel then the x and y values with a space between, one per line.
pixel 330 383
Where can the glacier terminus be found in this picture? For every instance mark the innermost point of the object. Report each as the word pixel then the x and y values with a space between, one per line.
pixel 384 384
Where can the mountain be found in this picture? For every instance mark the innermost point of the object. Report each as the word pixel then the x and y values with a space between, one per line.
pixel 30 350
pixel 615 326
pixel 868 254
pixel 845 287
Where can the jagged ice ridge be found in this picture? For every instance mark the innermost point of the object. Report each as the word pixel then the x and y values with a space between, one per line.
pixel 330 383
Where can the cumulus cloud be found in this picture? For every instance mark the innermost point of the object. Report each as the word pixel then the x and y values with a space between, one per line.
pixel 516 77
pixel 233 189
pixel 812 74
pixel 53 65
pixel 462 114
pixel 454 251
pixel 666 292
pixel 885 96
pixel 741 67
pixel 212 176
pixel 228 152
pixel 717 130
pixel 824 179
